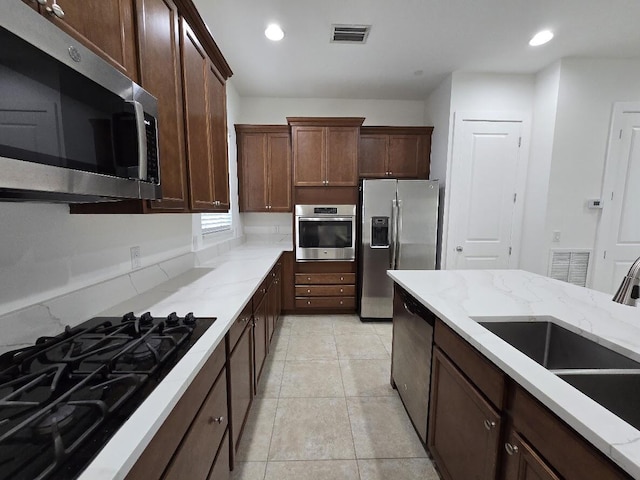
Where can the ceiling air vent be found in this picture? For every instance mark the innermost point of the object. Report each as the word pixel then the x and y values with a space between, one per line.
pixel 350 33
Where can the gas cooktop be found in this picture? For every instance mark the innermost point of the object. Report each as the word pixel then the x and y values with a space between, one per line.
pixel 63 398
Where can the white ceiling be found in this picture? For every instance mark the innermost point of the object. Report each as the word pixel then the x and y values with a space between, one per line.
pixel 413 44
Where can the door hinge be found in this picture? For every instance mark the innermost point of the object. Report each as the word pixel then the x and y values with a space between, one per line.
pixel 519 142
pixel 604 255
pixel 509 250
pixel 515 195
pixel 611 195
pixel 620 135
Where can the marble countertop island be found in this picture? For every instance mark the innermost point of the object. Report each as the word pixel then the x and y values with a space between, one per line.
pixel 457 295
pixel 219 289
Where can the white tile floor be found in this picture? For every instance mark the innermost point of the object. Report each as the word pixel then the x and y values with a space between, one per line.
pixel 325 409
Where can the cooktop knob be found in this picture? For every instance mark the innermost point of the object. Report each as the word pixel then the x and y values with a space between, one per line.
pixel 189 319
pixel 172 319
pixel 128 317
pixel 146 319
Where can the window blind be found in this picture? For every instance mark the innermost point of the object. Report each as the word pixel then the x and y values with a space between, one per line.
pixel 215 222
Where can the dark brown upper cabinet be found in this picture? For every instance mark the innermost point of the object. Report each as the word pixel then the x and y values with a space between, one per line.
pixel 264 168
pixel 325 151
pixel 395 152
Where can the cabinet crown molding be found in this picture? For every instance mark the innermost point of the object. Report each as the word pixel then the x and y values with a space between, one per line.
pixel 250 128
pixel 388 130
pixel 325 121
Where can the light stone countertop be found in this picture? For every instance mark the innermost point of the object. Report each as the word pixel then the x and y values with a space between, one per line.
pixel 220 288
pixel 457 295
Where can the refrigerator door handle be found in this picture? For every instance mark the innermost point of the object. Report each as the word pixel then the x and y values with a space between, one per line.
pixel 398 233
pixel 395 215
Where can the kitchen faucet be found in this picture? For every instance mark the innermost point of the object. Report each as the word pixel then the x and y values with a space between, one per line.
pixel 629 291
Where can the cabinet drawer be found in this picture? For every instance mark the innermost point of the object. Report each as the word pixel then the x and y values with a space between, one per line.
pixel 484 374
pixel 325 302
pixel 325 278
pixel 199 447
pixel 235 332
pixel 325 290
pixel 262 290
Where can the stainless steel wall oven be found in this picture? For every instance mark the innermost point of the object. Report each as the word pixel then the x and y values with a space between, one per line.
pixel 325 232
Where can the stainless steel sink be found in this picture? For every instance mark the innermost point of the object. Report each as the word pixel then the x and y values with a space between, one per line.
pixel 557 348
pixel 618 392
pixel 607 377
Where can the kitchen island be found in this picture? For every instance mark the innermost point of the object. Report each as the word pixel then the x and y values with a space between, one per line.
pixel 457 296
pixel 221 288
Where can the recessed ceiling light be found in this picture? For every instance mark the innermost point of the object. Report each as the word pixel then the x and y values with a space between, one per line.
pixel 541 38
pixel 274 32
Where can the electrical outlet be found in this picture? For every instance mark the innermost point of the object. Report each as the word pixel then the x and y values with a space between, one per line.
pixel 556 236
pixel 136 261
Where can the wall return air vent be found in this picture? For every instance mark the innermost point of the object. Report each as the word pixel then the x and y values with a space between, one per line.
pixel 350 33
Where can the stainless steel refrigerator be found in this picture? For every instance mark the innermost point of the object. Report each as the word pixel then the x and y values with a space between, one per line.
pixel 398 227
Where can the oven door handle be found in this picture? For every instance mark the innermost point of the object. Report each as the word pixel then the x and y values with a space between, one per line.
pixel 142 139
pixel 324 219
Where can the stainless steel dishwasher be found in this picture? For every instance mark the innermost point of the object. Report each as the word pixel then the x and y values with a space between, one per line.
pixel 412 348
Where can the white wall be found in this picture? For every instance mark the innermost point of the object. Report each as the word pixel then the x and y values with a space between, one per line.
pixel 46 252
pixel 533 253
pixel 258 110
pixel 588 89
pixel 438 114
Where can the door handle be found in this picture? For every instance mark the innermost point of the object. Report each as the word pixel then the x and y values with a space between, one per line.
pixel 459 249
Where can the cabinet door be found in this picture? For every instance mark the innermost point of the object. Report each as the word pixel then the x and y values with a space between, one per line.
pixel 406 159
pixel 220 470
pixel 198 449
pixel 217 118
pixel 252 154
pixel 195 74
pixel 241 383
pixel 523 463
pixel 309 147
pixel 373 154
pixel 107 28
pixel 279 154
pixel 259 339
pixel 159 47
pixel 464 429
pixel 342 156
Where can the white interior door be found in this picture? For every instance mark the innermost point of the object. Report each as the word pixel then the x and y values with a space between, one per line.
pixel 619 229
pixel 483 187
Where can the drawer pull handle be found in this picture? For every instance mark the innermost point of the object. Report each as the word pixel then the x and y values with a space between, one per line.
pixel 341 279
pixel 216 420
pixel 511 449
pixel 244 320
pixel 308 302
pixel 309 279
pixel 488 424
pixel 342 290
pixel 308 290
pixel 341 302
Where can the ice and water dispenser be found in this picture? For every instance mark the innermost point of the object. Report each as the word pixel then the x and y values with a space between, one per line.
pixel 379 232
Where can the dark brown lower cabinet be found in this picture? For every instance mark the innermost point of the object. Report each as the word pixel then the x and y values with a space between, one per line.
pixel 464 429
pixel 241 379
pixel 259 338
pixel 523 463
pixel 195 457
pixel 220 470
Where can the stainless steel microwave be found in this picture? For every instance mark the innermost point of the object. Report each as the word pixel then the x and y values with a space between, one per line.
pixel 325 232
pixel 72 127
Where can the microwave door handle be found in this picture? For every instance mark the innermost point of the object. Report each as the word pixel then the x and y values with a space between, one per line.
pixel 142 139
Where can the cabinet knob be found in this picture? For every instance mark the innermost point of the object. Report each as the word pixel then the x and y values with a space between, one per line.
pixel 216 420
pixel 56 10
pixel 308 290
pixel 308 279
pixel 244 320
pixel 308 302
pixel 342 290
pixel 511 449
pixel 488 424
pixel 341 302
pixel 341 279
